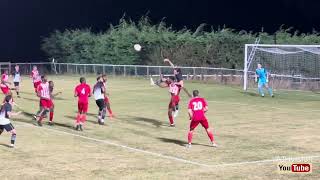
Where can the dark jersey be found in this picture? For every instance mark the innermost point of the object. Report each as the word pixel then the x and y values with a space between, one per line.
pixel 179 77
pixel 7 107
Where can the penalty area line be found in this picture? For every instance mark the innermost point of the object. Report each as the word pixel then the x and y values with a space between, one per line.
pixel 123 146
pixel 173 157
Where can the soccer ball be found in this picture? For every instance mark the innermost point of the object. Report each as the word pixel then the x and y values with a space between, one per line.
pixel 137 47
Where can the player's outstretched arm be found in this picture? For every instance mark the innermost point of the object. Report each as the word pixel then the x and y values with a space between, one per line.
pixel 187 92
pixel 56 94
pixel 10 113
pixel 168 61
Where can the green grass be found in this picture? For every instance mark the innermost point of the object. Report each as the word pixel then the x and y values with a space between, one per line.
pixel 247 128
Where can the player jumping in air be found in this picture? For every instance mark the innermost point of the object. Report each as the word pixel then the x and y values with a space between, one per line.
pixel 174 90
pixel 262 77
pixel 179 80
pixel 52 96
pixel 99 95
pixel 83 92
pixel 36 78
pixel 5 115
pixel 43 92
pixel 106 97
pixel 17 79
pixel 197 108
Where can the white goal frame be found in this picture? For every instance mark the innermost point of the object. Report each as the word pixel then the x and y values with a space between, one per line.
pixel 247 61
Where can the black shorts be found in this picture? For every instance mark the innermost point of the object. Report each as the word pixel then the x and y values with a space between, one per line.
pixel 7 127
pixel 101 104
pixel 16 84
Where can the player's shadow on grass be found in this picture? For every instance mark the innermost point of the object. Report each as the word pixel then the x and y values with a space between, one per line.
pixel 64 125
pixel 73 118
pixel 153 122
pixel 179 142
pixel 5 145
pixel 61 99
pixel 29 93
pixel 30 99
pixel 250 93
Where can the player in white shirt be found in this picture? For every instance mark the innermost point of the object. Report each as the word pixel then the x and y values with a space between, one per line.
pixel 99 95
pixel 17 80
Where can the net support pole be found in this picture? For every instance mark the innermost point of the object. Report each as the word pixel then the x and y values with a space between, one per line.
pixel 245 70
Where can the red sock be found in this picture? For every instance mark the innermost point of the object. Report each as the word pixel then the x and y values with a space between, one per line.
pixel 210 134
pixel 83 118
pixel 110 111
pixel 41 118
pixel 190 134
pixel 51 116
pixel 171 119
pixel 78 119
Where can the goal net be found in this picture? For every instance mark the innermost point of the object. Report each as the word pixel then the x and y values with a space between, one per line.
pixel 290 66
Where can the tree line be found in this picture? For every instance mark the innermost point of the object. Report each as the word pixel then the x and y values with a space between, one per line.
pixel 222 47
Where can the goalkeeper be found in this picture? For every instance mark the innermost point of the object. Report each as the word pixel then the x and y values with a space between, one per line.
pixel 261 77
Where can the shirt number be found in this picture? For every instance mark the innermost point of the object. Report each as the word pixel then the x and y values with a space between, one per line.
pixel 197 106
pixel 83 91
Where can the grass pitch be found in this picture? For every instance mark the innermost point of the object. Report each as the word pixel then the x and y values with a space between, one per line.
pixel 138 144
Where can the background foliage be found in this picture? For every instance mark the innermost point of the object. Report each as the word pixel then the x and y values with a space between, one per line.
pixel 216 48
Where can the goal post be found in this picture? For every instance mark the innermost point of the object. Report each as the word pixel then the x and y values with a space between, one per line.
pixel 290 66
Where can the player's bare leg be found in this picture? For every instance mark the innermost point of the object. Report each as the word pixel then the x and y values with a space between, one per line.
pixel 171 120
pixel 269 90
pixel 101 116
pixel 78 120
pixel 190 135
pixel 51 116
pixel 13 137
pixel 211 137
pixel 109 110
pixel 17 91
pixel 42 116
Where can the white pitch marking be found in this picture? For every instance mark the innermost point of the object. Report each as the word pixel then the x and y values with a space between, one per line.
pixel 272 107
pixel 176 158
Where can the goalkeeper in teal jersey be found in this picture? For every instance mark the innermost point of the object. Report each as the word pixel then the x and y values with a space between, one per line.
pixel 262 79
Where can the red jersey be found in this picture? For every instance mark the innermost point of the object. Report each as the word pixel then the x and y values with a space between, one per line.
pixel 44 90
pixel 83 91
pixel 35 76
pixel 5 77
pixel 197 105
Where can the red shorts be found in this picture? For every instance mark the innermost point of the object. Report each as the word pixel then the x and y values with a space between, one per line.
pixel 46 103
pixel 106 99
pixel 195 123
pixel 36 84
pixel 174 101
pixel 5 90
pixel 82 107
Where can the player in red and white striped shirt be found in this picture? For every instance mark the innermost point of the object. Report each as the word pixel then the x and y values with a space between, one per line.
pixel 174 90
pixel 36 78
pixel 4 85
pixel 43 92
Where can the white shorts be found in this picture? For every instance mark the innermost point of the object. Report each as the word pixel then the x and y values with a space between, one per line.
pixel 4 121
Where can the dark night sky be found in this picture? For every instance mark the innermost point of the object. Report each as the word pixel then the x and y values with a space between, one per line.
pixel 24 22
